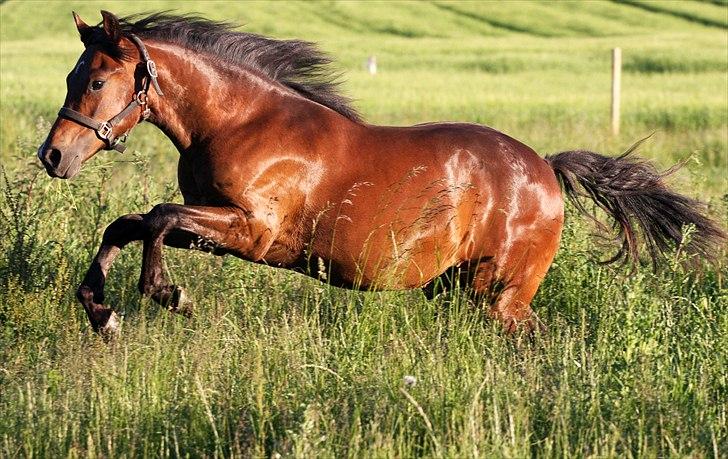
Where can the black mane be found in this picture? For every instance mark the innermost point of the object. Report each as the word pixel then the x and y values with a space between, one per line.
pixel 297 64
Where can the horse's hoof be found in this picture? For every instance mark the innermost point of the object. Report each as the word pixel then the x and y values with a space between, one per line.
pixel 181 303
pixel 112 328
pixel 529 327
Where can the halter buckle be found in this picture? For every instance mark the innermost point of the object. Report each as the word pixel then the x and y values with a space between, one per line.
pixel 104 130
pixel 152 68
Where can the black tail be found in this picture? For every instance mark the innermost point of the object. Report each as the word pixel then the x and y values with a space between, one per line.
pixel 633 192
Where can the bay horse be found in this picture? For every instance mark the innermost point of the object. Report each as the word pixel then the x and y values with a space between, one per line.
pixel 275 167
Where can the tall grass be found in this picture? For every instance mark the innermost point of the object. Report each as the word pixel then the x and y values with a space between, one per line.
pixel 278 364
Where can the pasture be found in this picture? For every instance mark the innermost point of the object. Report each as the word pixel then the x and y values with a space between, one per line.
pixel 276 364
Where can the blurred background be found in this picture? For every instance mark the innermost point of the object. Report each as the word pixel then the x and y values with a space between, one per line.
pixel 539 71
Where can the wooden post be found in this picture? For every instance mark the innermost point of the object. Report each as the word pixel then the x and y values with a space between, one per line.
pixel 616 87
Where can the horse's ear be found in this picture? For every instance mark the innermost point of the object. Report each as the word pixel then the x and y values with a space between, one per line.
pixel 80 25
pixel 111 26
pixel 83 29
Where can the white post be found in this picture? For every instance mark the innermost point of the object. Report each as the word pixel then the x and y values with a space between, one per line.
pixel 616 87
pixel 372 65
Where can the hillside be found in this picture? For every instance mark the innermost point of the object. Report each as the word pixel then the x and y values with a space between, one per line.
pixel 483 62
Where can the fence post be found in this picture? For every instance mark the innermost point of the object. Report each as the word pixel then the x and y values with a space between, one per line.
pixel 372 65
pixel 616 87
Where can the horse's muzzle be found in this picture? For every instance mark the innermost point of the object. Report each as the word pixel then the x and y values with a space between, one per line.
pixel 57 164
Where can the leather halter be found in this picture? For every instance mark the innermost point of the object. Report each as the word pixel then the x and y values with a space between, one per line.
pixel 105 129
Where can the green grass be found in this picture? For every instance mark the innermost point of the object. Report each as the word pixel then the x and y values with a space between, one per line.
pixel 275 363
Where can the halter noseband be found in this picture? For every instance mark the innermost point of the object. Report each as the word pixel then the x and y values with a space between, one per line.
pixel 104 129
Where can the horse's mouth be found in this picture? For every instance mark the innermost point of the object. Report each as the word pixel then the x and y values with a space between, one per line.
pixel 74 166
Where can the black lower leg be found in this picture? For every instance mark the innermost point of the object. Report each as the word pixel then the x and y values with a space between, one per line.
pixel 153 282
pixel 91 291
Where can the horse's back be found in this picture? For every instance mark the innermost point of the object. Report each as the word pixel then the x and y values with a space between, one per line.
pixel 437 143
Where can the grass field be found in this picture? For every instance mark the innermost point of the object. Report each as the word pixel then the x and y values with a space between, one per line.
pixel 633 365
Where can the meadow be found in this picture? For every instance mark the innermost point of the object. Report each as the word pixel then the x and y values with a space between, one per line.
pixel 633 364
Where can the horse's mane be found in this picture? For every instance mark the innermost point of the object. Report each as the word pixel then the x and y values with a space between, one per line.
pixel 297 64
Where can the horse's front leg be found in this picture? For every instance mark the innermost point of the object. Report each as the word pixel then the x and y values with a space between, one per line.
pixel 91 291
pixel 218 230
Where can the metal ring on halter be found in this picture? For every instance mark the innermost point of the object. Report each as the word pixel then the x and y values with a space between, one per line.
pixel 141 97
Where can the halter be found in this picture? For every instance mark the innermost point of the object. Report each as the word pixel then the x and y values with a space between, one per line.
pixel 104 129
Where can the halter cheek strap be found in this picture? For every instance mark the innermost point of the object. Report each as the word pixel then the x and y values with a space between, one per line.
pixel 105 129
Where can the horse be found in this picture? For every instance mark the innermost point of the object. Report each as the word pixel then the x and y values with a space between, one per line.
pixel 277 168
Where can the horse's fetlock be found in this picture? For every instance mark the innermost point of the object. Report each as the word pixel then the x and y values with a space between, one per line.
pixel 84 294
pixel 145 288
pixel 111 326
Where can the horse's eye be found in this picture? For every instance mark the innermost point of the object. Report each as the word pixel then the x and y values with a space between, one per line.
pixel 96 85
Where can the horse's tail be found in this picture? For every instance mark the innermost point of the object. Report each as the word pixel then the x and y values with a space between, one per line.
pixel 633 192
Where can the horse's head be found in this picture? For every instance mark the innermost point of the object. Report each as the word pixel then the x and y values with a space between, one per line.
pixel 106 97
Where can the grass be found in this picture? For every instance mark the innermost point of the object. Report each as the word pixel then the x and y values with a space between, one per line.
pixel 275 363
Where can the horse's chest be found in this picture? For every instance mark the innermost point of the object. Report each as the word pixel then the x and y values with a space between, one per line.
pixel 205 183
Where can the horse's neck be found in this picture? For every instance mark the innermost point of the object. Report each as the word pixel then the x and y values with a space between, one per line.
pixel 204 98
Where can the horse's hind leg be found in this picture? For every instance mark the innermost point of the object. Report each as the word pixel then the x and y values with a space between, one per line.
pixel 508 285
pixel 444 284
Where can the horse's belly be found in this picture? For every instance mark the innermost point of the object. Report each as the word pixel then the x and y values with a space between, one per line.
pixel 401 251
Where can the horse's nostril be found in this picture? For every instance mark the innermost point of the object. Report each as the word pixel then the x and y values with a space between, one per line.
pixel 54 157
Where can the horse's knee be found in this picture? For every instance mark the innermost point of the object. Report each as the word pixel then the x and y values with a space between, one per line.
pixel 161 217
pixel 125 228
